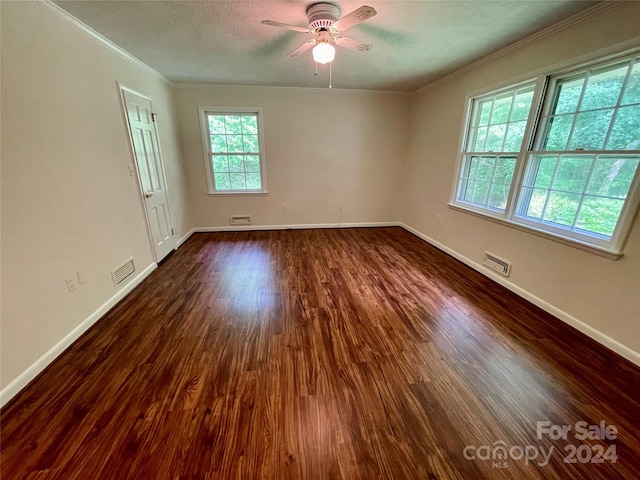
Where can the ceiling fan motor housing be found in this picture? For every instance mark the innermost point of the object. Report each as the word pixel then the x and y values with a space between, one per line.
pixel 322 15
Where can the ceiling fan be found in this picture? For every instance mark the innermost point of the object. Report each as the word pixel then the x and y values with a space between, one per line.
pixel 326 26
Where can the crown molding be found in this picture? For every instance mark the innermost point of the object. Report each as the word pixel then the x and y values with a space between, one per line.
pixel 520 44
pixel 105 42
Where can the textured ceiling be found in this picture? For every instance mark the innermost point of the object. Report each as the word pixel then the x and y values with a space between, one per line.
pixel 223 42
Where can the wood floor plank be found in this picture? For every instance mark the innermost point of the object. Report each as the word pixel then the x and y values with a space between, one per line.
pixel 319 354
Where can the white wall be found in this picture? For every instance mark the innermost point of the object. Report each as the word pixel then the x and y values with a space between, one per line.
pixel 68 201
pixel 602 293
pixel 324 149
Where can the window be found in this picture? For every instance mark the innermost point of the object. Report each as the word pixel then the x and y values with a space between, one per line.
pixel 233 148
pixel 571 171
pixel 495 137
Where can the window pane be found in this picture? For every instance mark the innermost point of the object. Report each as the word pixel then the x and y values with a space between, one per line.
pixel 485 111
pixel 497 123
pixel 234 143
pixel 515 133
pixel 522 105
pixel 501 109
pixel 591 130
pixel 591 127
pixel 480 193
pixel 216 124
pixel 562 208
pixel 544 172
pixel 485 168
pixel 237 181
pixel 478 141
pixel 495 138
pixel 632 91
pixel 559 132
pixel 504 170
pixel 572 173
pixel 536 202
pixel 467 187
pixel 470 169
pixel 222 181
pixel 250 124
pixel 599 215
pixel 253 181
pixel 612 177
pixel 625 134
pixel 603 89
pixel 252 163
pixel 473 167
pixel 218 143
pixel 220 163
pixel 568 96
pixel 498 196
pixel 234 124
pixel 250 143
pixel 236 163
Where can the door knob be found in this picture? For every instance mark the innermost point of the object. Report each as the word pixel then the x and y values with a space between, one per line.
pixel 148 195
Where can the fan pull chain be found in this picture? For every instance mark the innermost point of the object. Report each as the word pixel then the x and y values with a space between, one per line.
pixel 330 83
pixel 316 74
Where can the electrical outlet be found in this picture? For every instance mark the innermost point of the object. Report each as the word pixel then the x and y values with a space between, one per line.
pixel 71 284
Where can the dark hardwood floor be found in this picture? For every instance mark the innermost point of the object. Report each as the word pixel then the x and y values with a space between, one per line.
pixel 313 354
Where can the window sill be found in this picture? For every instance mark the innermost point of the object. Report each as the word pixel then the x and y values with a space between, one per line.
pixel 250 194
pixel 601 251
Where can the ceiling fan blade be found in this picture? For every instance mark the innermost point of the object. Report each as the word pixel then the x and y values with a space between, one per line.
pixel 302 48
pixel 352 44
pixel 354 18
pixel 295 28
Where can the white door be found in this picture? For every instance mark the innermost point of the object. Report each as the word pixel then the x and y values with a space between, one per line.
pixel 146 149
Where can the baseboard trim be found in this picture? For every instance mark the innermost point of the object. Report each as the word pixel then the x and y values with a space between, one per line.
pixel 298 226
pixel 596 335
pixel 22 380
pixel 183 239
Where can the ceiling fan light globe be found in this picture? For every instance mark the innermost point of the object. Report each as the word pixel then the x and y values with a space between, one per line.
pixel 324 53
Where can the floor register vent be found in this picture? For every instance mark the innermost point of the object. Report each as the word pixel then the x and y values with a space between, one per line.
pixel 497 264
pixel 121 273
pixel 240 220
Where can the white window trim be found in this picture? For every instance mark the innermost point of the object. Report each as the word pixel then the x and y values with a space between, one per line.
pixel 615 247
pixel 206 148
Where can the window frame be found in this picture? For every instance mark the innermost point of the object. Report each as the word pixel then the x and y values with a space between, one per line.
pixel 535 134
pixel 524 146
pixel 203 112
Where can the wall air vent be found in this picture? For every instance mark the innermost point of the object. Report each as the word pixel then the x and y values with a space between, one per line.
pixel 497 264
pixel 121 273
pixel 240 220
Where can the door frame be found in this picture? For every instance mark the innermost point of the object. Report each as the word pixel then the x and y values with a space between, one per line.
pixel 133 166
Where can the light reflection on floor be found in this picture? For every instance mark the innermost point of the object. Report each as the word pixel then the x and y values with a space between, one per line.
pixel 248 281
